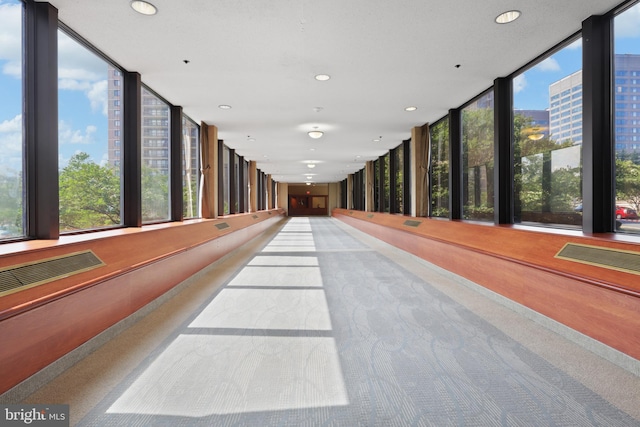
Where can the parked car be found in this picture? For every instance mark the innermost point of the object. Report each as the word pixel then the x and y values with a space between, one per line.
pixel 626 213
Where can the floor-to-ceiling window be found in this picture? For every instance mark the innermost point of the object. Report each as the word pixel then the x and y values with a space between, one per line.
pixel 547 102
pixel 226 193
pixel 155 158
pixel 11 138
pixel 190 170
pixel 398 160
pixel 626 96
pixel 477 152
pixel 440 168
pixel 89 138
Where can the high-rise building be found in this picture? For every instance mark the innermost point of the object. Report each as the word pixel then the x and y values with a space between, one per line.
pixel 565 101
pixel 565 108
pixel 627 103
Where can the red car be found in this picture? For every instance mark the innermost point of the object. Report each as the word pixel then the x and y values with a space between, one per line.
pixel 626 213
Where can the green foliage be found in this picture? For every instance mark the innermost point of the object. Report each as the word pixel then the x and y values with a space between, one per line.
pixel 628 179
pixel 10 206
pixel 440 169
pixel 89 195
pixel 155 195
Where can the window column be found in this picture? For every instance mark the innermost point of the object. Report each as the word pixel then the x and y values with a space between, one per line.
pixel 598 176
pixel 41 93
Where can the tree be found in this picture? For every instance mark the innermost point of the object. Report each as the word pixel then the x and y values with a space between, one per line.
pixel 89 195
pixel 628 181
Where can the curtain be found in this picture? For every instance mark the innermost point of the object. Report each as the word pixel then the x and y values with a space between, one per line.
pixel 206 172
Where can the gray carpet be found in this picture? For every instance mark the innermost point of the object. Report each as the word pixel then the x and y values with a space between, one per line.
pixel 319 329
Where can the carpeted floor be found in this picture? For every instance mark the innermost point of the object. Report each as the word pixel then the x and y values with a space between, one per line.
pixel 321 325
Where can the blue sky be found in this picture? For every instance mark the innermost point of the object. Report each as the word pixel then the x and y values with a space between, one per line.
pixel 83 87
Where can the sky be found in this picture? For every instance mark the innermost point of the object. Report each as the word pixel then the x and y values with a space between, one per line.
pixel 83 87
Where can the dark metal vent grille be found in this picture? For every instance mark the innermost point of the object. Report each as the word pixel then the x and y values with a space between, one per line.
pixel 412 223
pixel 222 225
pixel 613 259
pixel 19 277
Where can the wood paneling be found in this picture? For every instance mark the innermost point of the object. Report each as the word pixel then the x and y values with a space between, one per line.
pixel 41 324
pixel 520 265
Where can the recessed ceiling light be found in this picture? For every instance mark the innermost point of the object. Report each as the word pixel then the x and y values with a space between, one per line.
pixel 308 183
pixel 144 7
pixel 315 134
pixel 322 77
pixel 376 140
pixel 309 177
pixel 412 108
pixel 224 107
pixel 311 166
pixel 509 16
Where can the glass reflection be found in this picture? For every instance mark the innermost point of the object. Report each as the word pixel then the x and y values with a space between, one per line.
pixel 627 119
pixel 548 140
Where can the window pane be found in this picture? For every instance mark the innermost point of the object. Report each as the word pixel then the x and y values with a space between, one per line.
pixel 440 169
pixel 190 162
pixel 477 151
pixel 236 171
pixel 399 162
pixel 89 171
pixel 11 138
pixel 627 119
pixel 548 140
pixel 155 158
pixel 386 197
pixel 226 194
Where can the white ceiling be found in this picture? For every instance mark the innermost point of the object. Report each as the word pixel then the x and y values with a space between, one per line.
pixel 261 56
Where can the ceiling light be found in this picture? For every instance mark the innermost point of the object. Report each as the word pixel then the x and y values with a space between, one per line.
pixel 322 77
pixel 144 7
pixel 311 166
pixel 308 183
pixel 411 108
pixel 315 134
pixel 224 107
pixel 509 16
pixel 309 177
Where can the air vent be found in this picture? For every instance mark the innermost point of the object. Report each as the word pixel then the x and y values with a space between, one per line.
pixel 613 259
pixel 222 225
pixel 370 216
pixel 19 277
pixel 412 223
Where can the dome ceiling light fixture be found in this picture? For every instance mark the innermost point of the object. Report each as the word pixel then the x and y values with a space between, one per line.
pixel 144 7
pixel 508 16
pixel 322 77
pixel 411 108
pixel 315 134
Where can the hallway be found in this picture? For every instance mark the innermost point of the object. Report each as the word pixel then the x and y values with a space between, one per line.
pixel 316 323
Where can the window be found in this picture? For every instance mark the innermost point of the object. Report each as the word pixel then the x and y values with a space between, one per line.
pixel 12 222
pixel 226 193
pixel 627 155
pixel 155 170
pixel 547 159
pixel 190 162
pixel 440 169
pixel 90 183
pixel 477 155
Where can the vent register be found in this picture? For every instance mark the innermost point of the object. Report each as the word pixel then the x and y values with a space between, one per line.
pixel 613 259
pixel 23 276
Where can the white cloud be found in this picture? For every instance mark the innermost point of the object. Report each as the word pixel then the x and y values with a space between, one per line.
pixel 12 125
pixel 11 145
pixel 548 64
pixel 98 96
pixel 11 39
pixel 519 83
pixel 68 135
pixel 627 24
pixel 81 70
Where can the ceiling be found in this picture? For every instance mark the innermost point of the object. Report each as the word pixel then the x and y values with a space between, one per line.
pixel 260 57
